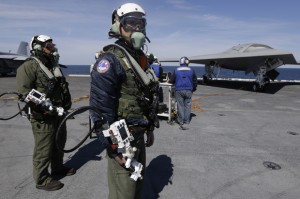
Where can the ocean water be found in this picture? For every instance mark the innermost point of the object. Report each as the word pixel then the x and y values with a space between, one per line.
pixel 285 73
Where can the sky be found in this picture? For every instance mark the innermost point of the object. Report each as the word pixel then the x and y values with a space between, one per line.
pixel 176 28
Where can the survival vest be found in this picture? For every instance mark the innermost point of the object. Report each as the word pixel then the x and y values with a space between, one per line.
pixel 56 85
pixel 138 90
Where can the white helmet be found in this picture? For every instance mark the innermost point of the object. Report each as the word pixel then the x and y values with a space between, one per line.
pixel 129 13
pixel 126 9
pixel 37 41
pixel 37 44
pixel 131 17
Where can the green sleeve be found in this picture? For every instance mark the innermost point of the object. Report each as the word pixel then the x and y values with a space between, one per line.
pixel 26 77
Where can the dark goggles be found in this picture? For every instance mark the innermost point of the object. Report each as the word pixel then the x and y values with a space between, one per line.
pixel 50 46
pixel 133 23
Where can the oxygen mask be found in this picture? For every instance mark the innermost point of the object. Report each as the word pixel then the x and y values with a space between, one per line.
pixel 52 52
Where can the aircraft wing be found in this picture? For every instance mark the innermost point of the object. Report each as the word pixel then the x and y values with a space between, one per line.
pixel 12 57
pixel 9 62
pixel 244 57
pixel 260 59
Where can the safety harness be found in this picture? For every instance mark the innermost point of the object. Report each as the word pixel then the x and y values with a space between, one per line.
pixel 56 78
pixel 138 89
pixel 56 70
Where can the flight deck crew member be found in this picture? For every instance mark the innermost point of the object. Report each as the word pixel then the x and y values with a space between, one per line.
pixel 123 86
pixel 42 73
pixel 156 66
pixel 185 81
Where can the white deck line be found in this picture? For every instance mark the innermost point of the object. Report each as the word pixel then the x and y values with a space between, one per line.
pixel 248 80
pixel 76 75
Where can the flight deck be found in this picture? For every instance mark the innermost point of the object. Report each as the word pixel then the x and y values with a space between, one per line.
pixel 240 144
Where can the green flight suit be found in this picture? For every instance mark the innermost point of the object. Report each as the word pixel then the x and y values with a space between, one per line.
pixel 44 124
pixel 121 186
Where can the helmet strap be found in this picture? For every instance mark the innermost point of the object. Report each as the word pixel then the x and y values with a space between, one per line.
pixel 115 27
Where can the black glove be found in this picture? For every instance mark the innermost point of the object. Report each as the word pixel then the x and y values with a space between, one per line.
pixel 150 138
pixel 112 151
pixel 99 127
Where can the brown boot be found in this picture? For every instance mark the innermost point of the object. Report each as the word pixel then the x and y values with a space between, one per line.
pixel 52 185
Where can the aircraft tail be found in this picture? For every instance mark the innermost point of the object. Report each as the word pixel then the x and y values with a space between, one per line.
pixel 23 49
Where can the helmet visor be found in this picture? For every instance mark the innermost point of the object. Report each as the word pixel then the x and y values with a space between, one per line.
pixel 133 23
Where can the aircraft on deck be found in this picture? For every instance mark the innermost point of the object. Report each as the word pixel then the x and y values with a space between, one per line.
pixel 9 62
pixel 260 59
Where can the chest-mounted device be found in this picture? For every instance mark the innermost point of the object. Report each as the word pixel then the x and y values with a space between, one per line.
pixel 39 98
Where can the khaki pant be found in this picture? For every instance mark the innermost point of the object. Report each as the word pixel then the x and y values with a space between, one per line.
pixel 45 152
pixel 120 185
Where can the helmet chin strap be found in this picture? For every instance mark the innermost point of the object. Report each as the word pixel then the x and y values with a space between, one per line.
pixel 147 39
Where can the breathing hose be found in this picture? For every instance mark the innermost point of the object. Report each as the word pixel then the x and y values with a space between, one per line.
pixel 69 116
pixel 63 122
pixel 20 110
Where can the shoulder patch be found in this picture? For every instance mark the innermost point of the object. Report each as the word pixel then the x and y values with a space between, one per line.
pixel 103 66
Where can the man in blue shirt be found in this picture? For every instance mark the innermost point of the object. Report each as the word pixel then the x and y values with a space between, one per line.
pixel 156 66
pixel 185 81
